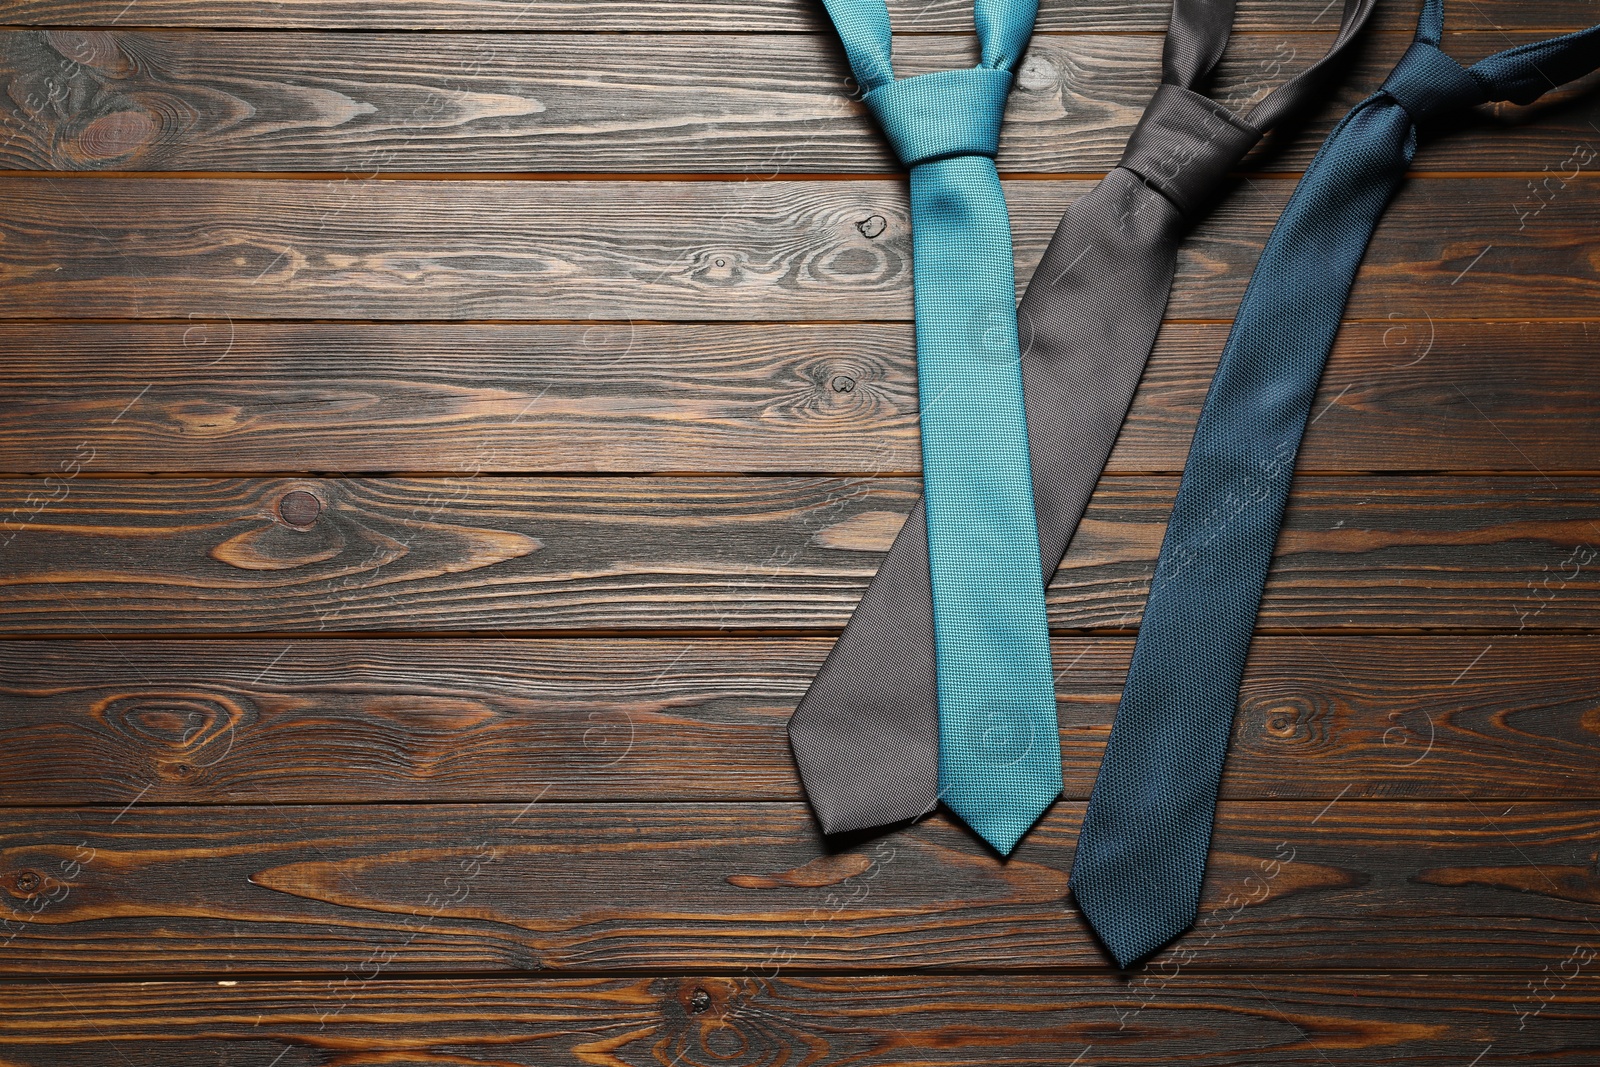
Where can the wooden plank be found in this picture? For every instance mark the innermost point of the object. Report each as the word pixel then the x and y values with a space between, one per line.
pixel 179 555
pixel 530 886
pixel 1206 1020
pixel 1417 395
pixel 730 251
pixel 603 398
pixel 757 106
pixel 220 397
pixel 728 16
pixel 338 721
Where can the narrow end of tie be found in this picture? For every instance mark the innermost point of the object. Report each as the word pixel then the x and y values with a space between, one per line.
pixel 1130 923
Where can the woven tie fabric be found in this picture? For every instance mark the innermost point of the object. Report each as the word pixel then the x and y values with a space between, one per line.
pixel 999 756
pixel 866 738
pixel 1142 850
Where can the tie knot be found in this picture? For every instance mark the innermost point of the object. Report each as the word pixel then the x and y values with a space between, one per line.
pixel 1185 146
pixel 1426 82
pixel 935 116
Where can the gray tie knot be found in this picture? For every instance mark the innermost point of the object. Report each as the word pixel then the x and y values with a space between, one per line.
pixel 1185 145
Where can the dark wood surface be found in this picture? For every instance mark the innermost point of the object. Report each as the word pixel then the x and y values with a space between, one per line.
pixel 540 555
pixel 633 398
pixel 737 16
pixel 1210 1019
pixel 756 104
pixel 206 249
pixel 255 888
pixel 440 440
pixel 301 721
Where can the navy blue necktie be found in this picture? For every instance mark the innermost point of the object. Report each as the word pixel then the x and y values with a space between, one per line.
pixel 1142 851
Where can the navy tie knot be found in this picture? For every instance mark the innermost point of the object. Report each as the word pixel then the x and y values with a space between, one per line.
pixel 936 116
pixel 1427 82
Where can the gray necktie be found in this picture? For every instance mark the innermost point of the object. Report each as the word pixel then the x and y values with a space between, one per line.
pixel 866 735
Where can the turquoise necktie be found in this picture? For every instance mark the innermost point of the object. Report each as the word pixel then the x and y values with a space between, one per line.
pixel 999 745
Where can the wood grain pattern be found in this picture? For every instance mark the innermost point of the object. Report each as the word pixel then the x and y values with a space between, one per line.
pixel 728 16
pixel 340 721
pixel 532 886
pixel 103 556
pixel 729 251
pixel 1399 395
pixel 432 465
pixel 601 398
pixel 213 396
pixel 758 106
pixel 1208 1020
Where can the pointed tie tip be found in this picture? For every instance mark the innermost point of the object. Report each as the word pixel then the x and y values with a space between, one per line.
pixel 1003 826
pixel 1126 931
pixel 1002 841
pixel 1128 947
pixel 870 819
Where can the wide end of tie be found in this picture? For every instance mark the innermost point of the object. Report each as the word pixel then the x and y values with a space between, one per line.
pixel 1132 915
pixel 860 772
pixel 1002 821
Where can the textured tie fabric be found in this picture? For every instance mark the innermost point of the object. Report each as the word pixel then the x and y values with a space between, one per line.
pixel 867 736
pixel 1142 850
pixel 999 763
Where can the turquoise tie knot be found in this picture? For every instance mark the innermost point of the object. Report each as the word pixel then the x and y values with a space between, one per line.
pixel 936 116
pixel 1427 82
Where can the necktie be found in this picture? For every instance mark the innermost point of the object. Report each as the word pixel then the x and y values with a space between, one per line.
pixel 1142 851
pixel 999 766
pixel 867 737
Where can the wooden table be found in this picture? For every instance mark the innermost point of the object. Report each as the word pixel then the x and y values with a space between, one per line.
pixel 441 439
